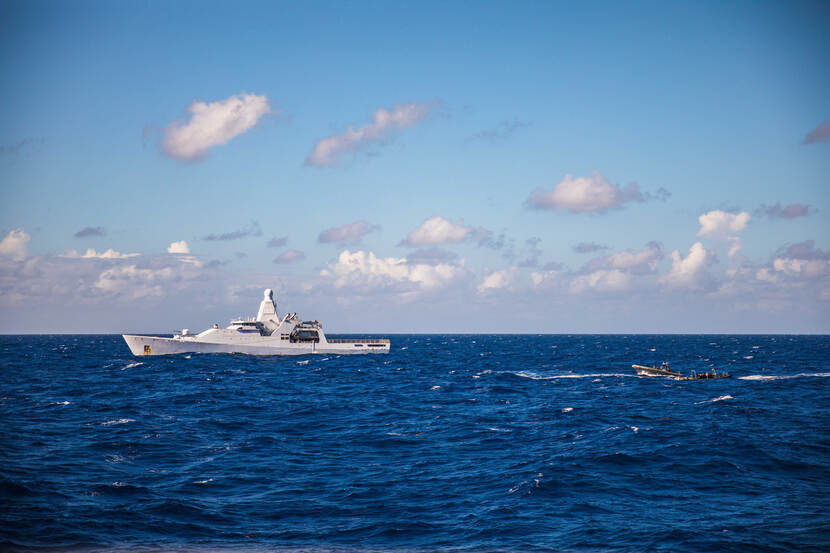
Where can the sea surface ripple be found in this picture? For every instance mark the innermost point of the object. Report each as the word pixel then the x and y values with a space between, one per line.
pixel 449 443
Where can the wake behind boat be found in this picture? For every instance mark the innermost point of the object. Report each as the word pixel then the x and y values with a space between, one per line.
pixel 268 334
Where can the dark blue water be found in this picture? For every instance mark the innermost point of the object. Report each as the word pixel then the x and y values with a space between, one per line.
pixel 449 443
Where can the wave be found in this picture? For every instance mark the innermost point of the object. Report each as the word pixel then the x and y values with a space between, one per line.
pixel 535 376
pixel 117 421
pixel 765 377
pixel 714 399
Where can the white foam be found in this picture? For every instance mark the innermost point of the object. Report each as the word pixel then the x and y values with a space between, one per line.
pixel 748 356
pixel 534 376
pixel 435 388
pixel 714 399
pixel 203 481
pixel 302 362
pixel 117 421
pixel 131 365
pixel 59 403
pixel 567 409
pixel 765 377
pixel 634 429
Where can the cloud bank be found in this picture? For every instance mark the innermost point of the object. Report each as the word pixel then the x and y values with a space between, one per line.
pixel 213 124
pixel 327 152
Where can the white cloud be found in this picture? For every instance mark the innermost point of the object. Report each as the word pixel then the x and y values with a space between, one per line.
pixel 543 280
pixel 602 280
pixel 497 280
pixel 178 247
pixel 370 272
pixel 327 151
pixel 589 195
pixel 133 282
pixel 212 124
pixel 643 261
pixel 92 254
pixel 719 224
pixel 347 234
pixel 438 230
pixel 690 272
pixel 15 245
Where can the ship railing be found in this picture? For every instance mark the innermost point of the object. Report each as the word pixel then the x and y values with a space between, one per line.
pixel 357 340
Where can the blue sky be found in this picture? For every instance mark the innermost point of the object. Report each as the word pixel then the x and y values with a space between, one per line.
pixel 465 118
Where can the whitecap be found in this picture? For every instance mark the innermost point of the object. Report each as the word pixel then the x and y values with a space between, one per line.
pixel 59 403
pixel 131 365
pixel 302 362
pixel 748 356
pixel 203 481
pixel 634 429
pixel 783 377
pixel 567 409
pixel 117 421
pixel 435 388
pixel 714 399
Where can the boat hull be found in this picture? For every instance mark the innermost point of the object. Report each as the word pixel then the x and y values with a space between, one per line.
pixel 154 345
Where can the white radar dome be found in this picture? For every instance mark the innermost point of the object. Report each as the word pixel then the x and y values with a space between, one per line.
pixel 269 294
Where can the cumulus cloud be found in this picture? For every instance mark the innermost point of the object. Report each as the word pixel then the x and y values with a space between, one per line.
pixel 724 225
pixel 601 280
pixel 87 232
pixel 327 152
pixel 589 195
pixel 589 247
pixel 797 262
pixel 819 134
pixel 289 256
pixel 213 124
pixel 178 247
pixel 719 224
pixel 370 273
pixel 15 245
pixel 545 279
pixel 134 282
pixel 438 230
pixel 638 262
pixel 778 211
pixel 352 233
pixel 252 230
pixel 92 254
pixel 277 242
pixel 690 272
pixel 497 280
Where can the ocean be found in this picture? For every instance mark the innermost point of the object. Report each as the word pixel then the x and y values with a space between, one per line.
pixel 473 443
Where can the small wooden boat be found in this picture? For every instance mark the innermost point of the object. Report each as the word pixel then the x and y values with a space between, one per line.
pixel 653 370
pixel 663 370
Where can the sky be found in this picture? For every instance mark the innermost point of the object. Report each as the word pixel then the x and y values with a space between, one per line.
pixel 408 167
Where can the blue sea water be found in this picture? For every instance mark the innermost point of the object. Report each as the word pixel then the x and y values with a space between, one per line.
pixel 449 443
